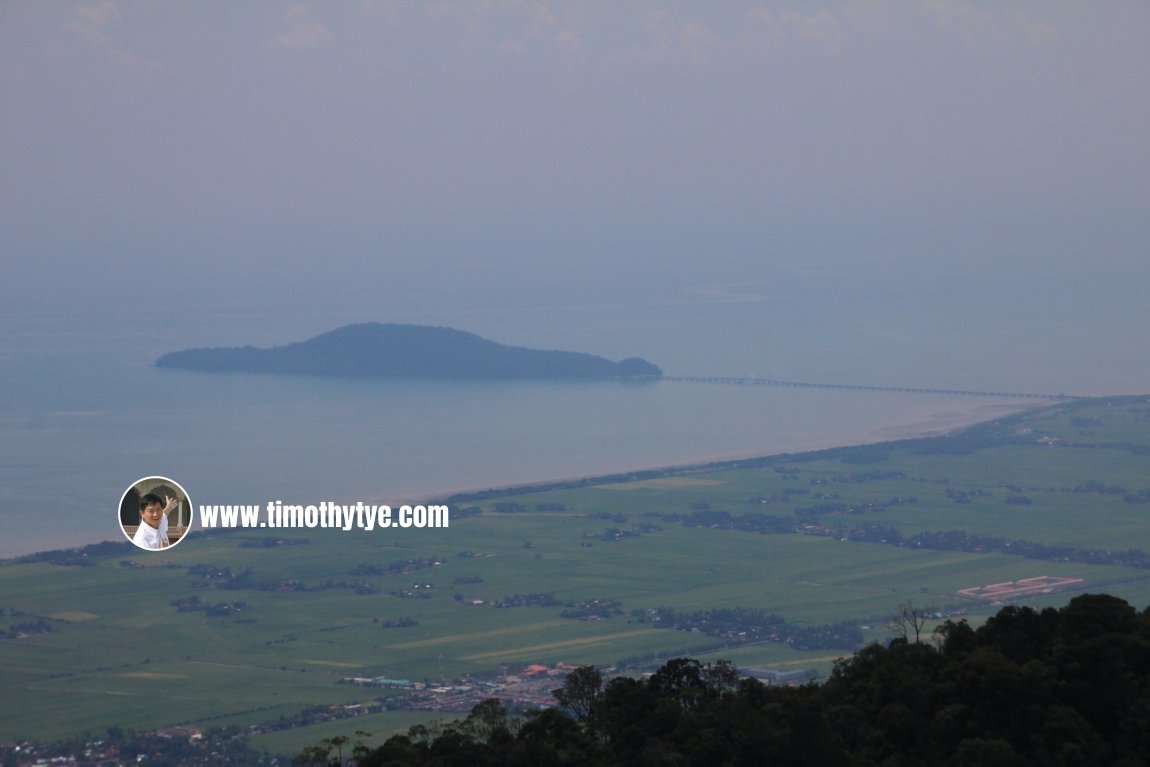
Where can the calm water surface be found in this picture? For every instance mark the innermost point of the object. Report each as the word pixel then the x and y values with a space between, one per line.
pixel 83 413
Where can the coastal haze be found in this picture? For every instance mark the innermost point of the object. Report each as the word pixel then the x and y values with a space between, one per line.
pixel 86 415
pixel 936 194
pixel 917 207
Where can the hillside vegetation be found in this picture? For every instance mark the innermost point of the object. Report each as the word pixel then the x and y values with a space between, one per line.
pixel 1067 686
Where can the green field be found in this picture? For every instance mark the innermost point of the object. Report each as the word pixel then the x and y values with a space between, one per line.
pixel 118 652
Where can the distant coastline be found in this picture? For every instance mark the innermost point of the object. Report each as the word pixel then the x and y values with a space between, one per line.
pixel 939 424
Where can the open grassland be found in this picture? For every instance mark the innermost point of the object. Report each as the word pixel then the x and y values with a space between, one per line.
pixel 118 652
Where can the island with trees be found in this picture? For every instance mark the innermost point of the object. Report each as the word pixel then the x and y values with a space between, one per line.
pixel 379 350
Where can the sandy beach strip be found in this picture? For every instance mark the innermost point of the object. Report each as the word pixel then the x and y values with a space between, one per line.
pixel 935 423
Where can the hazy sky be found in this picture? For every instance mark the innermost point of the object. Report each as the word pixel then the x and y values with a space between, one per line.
pixel 389 152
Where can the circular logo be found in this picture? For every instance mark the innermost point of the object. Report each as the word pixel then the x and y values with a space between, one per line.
pixel 155 513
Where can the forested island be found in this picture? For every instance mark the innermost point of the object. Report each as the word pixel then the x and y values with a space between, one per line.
pixel 379 350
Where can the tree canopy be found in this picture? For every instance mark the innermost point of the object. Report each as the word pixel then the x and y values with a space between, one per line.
pixel 1059 686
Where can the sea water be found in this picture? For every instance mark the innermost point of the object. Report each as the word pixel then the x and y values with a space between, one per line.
pixel 84 413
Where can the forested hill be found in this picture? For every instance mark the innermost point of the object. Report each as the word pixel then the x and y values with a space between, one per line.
pixel 375 350
pixel 1067 686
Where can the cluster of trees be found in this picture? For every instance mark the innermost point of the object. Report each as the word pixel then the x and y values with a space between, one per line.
pixel 1067 686
pixel 960 540
pixel 226 579
pixel 216 577
pixel 535 599
pixel 964 496
pixel 947 540
pixel 27 628
pixel 217 746
pixel 272 542
pixel 1133 448
pixel 747 624
pixel 195 604
pixel 858 478
pixel 1089 487
pixel 508 507
pixel 397 567
pixel 78 557
pixel 1094 487
pixel 593 609
pixel 770 524
pixel 762 500
pixel 617 534
pixel 861 507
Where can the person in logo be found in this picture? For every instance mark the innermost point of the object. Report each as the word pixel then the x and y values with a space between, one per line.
pixel 153 530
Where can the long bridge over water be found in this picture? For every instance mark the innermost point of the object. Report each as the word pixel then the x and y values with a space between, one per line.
pixel 859 387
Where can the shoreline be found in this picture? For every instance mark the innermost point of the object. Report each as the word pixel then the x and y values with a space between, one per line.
pixel 934 424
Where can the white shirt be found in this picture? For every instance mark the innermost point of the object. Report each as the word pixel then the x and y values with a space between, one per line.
pixel 148 537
